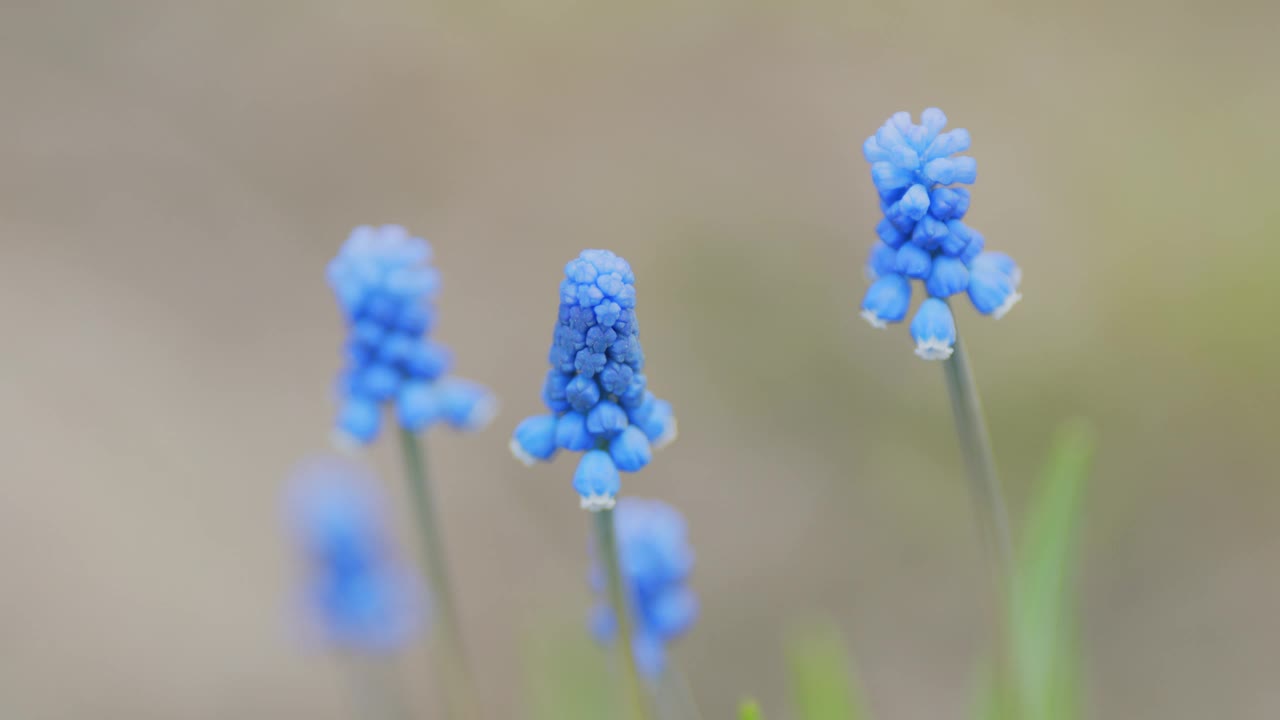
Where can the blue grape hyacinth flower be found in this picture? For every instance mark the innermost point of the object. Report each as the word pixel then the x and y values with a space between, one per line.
pixel 596 390
pixel 656 561
pixel 918 175
pixel 356 593
pixel 386 289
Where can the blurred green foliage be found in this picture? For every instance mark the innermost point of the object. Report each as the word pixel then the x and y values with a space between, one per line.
pixel 1043 622
pixel 566 676
pixel 750 710
pixel 822 685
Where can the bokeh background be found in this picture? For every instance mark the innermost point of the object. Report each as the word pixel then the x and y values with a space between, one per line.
pixel 174 176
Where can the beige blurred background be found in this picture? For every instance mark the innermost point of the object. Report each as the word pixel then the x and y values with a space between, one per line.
pixel 174 175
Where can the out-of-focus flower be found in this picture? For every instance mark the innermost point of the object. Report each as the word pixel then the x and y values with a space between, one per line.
pixel 656 560
pixel 355 591
pixel 922 235
pixel 386 287
pixel 596 391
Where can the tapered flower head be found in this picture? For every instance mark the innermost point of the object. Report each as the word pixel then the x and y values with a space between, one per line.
pixel 356 593
pixel 596 392
pixel 386 290
pixel 655 560
pixel 923 237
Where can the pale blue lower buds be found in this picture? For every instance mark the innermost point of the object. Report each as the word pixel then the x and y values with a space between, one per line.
pixel 887 300
pixel 535 439
pixel 630 450
pixel 606 419
pixel 359 419
pixel 914 261
pixel 465 405
pixel 462 404
pixel 934 330
pixel 597 480
pixel 882 261
pixel 993 284
pixel 659 424
pixel 948 277
pixel 572 433
pixel 418 406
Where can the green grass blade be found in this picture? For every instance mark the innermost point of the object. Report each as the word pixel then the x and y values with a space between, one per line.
pixel 749 710
pixel 1043 620
pixel 566 677
pixel 822 682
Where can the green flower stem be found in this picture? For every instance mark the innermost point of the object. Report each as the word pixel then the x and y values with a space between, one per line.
pixel 988 502
pixel 979 461
pixel 607 547
pixel 456 679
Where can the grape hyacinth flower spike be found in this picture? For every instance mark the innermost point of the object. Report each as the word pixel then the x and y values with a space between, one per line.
pixel 923 236
pixel 600 405
pixel 917 174
pixel 356 593
pixel 596 392
pixel 656 560
pixel 386 290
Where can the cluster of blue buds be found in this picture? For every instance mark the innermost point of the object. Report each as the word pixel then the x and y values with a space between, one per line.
pixel 356 593
pixel 596 389
pixel 656 560
pixel 922 235
pixel 385 288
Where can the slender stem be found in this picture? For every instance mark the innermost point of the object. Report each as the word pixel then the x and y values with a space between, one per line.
pixel 975 444
pixel 989 505
pixel 457 685
pixel 607 547
pixel 377 692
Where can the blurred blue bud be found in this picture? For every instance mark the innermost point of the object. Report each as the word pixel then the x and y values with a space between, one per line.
pixel 934 330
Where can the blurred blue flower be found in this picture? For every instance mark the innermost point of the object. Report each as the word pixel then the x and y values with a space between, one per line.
pixel 923 236
pixel 385 288
pixel 355 592
pixel 596 390
pixel 656 560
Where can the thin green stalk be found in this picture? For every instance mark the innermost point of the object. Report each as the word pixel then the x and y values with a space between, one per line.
pixel 607 547
pixel 989 506
pixel 457 685
pixel 975 444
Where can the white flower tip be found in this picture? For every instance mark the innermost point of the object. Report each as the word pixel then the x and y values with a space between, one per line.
pixel 874 319
pixel 934 349
pixel 520 454
pixel 596 503
pixel 1008 304
pixel 1016 276
pixel 668 435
